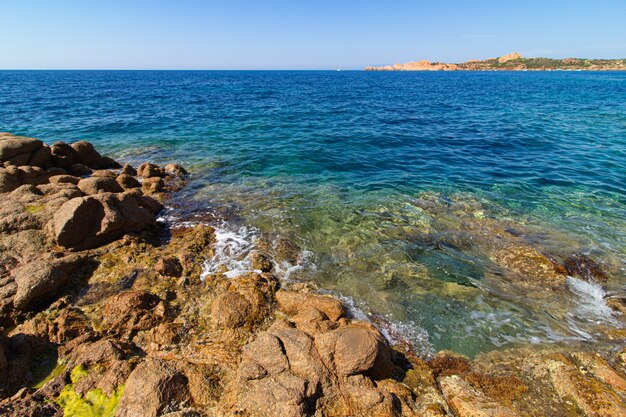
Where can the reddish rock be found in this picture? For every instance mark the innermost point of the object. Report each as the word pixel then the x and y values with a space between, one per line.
pixel 88 222
pixel 87 155
pixel 95 185
pixel 148 170
pixel 64 179
pixel 127 181
pixel 154 386
pixel 169 267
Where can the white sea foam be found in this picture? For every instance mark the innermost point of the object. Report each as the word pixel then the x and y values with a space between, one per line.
pixel 232 245
pixel 591 303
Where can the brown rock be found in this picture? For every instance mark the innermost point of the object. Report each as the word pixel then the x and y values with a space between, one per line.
pixel 264 356
pixel 38 281
pixel 42 157
pixel 151 388
pixel 355 349
pixel 261 261
pixel 583 267
pixel 153 185
pixel 131 311
pixel 64 179
pixel 230 310
pixel 175 170
pixel 95 185
pixel 169 267
pixel 103 173
pixel 87 154
pixel 79 170
pixel 147 170
pixel 292 303
pixel 109 163
pixel 63 155
pixel 12 147
pixel 127 181
pixel 88 222
pixel 466 401
pixel 52 171
pixel 32 175
pixel 9 179
pixel 129 170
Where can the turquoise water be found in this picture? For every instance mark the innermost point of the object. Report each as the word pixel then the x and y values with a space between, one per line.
pixel 399 188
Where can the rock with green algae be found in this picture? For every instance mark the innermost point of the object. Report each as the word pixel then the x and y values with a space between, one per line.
pixel 94 403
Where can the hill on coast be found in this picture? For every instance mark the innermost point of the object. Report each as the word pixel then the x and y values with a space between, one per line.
pixel 511 62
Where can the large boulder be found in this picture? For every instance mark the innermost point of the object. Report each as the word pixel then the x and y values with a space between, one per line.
pixel 87 154
pixel 356 348
pixel 63 155
pixel 38 281
pixel 88 222
pixel 9 179
pixel 153 387
pixel 95 185
pixel 17 150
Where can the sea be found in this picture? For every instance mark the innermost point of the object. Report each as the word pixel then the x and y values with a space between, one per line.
pixel 425 200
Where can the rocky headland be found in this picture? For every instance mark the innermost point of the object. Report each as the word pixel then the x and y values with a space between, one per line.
pixel 511 62
pixel 107 312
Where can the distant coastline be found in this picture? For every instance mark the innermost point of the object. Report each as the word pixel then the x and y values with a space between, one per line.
pixel 511 62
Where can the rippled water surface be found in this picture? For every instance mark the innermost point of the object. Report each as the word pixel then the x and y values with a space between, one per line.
pixel 403 191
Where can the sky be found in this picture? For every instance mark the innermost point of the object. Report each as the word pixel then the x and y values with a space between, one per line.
pixel 297 34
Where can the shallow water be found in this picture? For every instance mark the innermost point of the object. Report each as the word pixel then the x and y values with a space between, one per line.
pixel 399 188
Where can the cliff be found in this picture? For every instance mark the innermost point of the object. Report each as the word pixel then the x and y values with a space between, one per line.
pixel 511 62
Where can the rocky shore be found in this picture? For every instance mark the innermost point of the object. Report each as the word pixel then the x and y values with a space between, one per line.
pixel 106 312
pixel 511 62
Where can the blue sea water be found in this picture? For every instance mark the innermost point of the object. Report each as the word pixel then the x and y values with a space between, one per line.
pixel 396 186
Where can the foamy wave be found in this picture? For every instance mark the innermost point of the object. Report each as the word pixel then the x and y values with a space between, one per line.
pixel 231 249
pixel 591 304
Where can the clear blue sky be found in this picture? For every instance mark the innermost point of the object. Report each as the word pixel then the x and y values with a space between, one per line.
pixel 314 34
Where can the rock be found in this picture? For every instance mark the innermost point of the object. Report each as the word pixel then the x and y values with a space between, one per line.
pixel 355 349
pixel 230 310
pixel 52 171
pixel 169 267
pixel 38 281
pixel 147 170
pixel 42 157
pixel 154 386
pixel 153 185
pixel 63 155
pixel 9 179
pixel 131 311
pixel 262 357
pixel 88 222
pixel 466 401
pixel 292 303
pixel 103 173
pixel 175 170
pixel 532 268
pixel 129 170
pixel 127 181
pixel 260 261
pixel 95 185
pixel 109 163
pixel 32 175
pixel 64 179
pixel 89 352
pixel 16 148
pixel 509 57
pixel 282 395
pixel 583 267
pixel 87 154
pixel 79 170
